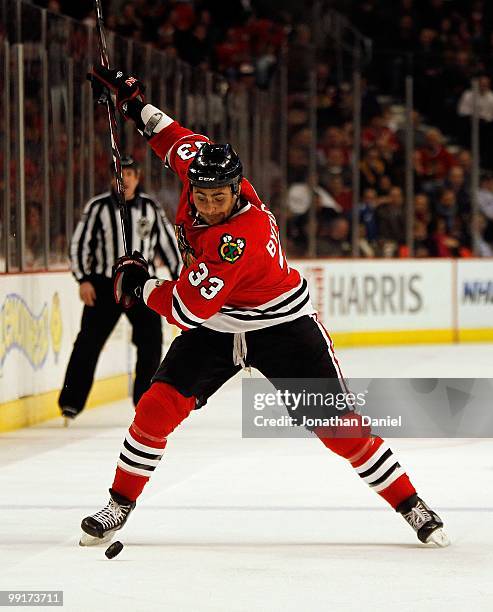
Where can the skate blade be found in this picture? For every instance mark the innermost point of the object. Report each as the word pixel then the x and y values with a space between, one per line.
pixel 66 421
pixel 439 538
pixel 89 540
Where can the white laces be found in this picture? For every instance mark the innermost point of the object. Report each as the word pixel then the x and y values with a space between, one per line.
pixel 111 515
pixel 418 517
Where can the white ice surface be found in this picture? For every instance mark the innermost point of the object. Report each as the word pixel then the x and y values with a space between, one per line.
pixel 230 524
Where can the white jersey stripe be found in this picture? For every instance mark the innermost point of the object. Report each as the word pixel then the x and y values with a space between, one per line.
pixel 179 319
pixel 90 209
pixel 266 305
pixel 99 258
pixel 84 247
pixel 176 301
pixel 274 312
pixel 167 243
pixel 224 323
pixel 193 318
pixel 109 240
pixel 74 243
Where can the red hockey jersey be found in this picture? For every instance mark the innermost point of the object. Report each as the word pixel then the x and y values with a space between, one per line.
pixel 235 276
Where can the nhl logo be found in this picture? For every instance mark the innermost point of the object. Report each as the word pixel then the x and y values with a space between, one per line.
pixel 231 249
pixel 143 228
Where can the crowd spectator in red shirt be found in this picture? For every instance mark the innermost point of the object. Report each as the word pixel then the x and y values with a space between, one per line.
pixel 446 245
pixel 433 161
pixel 377 131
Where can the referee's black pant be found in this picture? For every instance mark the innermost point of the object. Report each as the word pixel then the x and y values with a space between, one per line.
pixel 97 323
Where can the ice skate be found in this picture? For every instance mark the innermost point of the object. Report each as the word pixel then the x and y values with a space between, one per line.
pixel 68 413
pixel 99 528
pixel 425 522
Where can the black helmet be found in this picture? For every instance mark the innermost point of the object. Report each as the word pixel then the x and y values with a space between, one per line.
pixel 216 165
pixel 127 161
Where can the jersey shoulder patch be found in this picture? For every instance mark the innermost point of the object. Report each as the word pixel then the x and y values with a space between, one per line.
pixel 231 248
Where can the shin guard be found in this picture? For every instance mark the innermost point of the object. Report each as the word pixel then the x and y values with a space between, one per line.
pixel 159 411
pixel 371 458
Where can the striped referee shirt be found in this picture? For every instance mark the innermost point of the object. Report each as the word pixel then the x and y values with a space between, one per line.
pixel 97 241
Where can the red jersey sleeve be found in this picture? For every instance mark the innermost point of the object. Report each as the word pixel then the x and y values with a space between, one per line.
pixel 204 287
pixel 177 146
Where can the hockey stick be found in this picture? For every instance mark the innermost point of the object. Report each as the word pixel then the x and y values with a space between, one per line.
pixel 115 142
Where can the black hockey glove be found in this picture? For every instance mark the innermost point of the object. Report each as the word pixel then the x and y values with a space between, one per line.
pixel 129 277
pixel 126 88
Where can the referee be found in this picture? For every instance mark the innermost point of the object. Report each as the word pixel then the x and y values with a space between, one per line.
pixel 96 244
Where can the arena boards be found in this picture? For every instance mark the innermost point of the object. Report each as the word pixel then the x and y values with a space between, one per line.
pixel 361 303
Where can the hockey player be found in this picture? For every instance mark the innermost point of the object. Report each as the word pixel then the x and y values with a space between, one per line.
pixel 238 303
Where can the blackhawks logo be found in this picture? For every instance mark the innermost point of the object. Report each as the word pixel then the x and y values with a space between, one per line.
pixel 231 249
pixel 186 250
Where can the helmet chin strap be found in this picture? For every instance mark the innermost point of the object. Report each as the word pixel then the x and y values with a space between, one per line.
pixel 236 205
pixel 235 189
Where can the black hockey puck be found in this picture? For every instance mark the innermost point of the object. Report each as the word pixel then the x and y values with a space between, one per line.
pixel 114 549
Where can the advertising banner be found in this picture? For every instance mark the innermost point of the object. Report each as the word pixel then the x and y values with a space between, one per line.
pixel 475 299
pixel 370 300
pixel 39 321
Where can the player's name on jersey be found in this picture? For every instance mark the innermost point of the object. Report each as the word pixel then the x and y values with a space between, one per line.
pixel 333 421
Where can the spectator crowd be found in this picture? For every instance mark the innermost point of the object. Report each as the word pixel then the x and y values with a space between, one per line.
pixel 443 43
pixel 443 224
pixel 235 38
